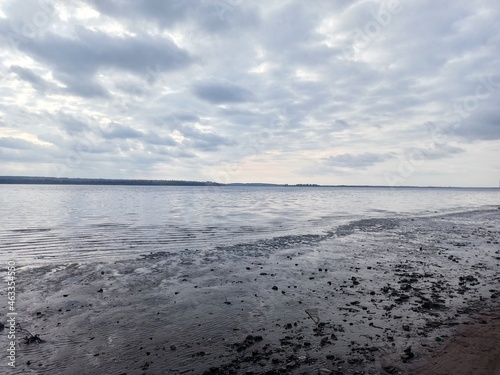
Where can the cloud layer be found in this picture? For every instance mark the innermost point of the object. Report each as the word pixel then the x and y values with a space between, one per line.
pixel 330 92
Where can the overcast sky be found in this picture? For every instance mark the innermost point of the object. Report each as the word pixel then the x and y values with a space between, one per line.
pixel 328 92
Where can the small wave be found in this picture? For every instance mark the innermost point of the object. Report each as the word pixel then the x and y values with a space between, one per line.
pixel 31 230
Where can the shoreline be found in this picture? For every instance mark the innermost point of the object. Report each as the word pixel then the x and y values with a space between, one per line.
pixel 379 287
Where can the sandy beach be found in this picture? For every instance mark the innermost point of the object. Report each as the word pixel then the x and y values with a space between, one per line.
pixel 377 296
pixel 473 349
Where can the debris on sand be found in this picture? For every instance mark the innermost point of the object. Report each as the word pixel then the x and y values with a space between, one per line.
pixel 29 338
pixel 313 314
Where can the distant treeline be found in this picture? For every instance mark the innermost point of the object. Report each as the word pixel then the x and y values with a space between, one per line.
pixel 98 181
pixel 107 181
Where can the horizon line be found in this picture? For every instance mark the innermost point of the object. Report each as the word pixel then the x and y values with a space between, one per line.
pixel 143 181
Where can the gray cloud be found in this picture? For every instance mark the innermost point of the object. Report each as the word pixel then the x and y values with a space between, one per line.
pixel 165 13
pixel 222 92
pixel 71 125
pixel 76 60
pixel 29 76
pixel 114 131
pixel 83 86
pixel 91 50
pixel 434 151
pixel 15 143
pixel 482 125
pixel 205 141
pixel 211 16
pixel 363 160
pixel 121 133
pixel 155 139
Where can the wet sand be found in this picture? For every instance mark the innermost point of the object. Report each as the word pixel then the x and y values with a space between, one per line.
pixel 376 296
pixel 473 350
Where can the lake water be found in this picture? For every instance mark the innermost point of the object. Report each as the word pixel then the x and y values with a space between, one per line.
pixel 43 224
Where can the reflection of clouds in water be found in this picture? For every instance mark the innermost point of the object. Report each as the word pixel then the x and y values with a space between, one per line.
pixel 51 224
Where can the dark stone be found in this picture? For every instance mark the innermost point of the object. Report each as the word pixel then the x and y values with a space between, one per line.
pixel 408 354
pixel 324 341
pixel 390 369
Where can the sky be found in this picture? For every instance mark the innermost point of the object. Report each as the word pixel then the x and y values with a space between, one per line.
pixel 279 91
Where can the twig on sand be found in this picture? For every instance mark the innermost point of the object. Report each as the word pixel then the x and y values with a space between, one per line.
pixel 314 315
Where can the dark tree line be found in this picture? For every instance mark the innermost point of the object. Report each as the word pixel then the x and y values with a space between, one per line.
pixel 98 181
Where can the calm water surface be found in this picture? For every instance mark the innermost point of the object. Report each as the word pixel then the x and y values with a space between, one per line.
pixel 42 224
